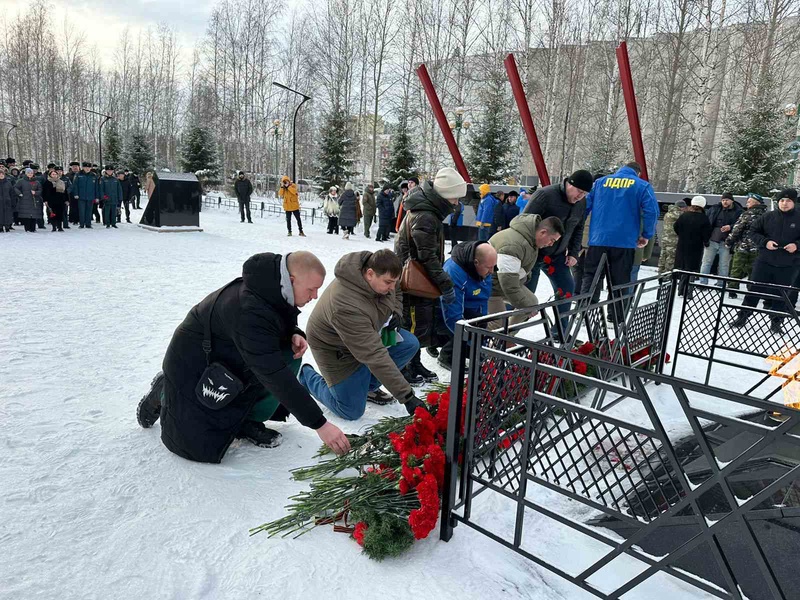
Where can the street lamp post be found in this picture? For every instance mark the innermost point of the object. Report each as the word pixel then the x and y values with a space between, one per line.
pixel 459 123
pixel 276 131
pixel 100 133
pixel 294 126
pixel 8 136
pixel 790 110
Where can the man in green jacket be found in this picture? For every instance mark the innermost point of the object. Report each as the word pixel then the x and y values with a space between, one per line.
pixel 344 334
pixel 517 249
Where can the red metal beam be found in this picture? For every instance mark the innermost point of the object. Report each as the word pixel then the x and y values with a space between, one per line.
pixel 441 119
pixel 630 106
pixel 527 121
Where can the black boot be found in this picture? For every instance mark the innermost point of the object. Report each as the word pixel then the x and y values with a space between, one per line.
pixel 776 325
pixel 411 377
pixel 379 397
pixel 257 433
pixel 419 369
pixel 432 351
pixel 149 408
pixel 740 319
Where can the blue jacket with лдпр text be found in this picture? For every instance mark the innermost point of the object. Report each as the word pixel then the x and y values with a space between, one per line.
pixel 623 207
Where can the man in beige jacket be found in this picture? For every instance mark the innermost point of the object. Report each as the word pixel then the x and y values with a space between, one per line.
pixel 344 334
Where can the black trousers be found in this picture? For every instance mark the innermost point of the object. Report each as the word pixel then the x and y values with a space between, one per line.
pixel 138 196
pixel 620 262
pixel 577 272
pixel 383 232
pixel 128 209
pixel 296 214
pixel 244 207
pixel 333 225
pixel 29 223
pixel 766 273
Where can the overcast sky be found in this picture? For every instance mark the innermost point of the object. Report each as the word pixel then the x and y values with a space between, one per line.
pixel 103 22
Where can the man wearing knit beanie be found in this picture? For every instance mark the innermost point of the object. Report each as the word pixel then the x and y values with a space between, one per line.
pixel 421 237
pixel 485 216
pixel 565 200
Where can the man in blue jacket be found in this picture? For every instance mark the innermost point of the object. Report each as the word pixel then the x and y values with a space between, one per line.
pixel 470 267
pixel 624 212
pixel 485 217
pixel 84 191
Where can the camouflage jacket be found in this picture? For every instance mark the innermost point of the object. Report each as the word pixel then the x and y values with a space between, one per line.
pixel 668 236
pixel 740 239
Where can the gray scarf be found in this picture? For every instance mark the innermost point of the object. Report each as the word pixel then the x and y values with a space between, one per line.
pixel 286 283
pixel 58 184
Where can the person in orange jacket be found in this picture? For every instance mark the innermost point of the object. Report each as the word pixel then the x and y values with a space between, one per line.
pixel 291 204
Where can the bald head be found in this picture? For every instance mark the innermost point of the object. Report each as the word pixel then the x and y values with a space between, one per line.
pixel 485 259
pixel 307 274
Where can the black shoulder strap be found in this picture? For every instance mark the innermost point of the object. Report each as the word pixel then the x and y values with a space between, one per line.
pixel 207 323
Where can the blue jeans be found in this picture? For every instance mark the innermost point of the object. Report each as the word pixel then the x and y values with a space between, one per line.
pixel 483 234
pixel 634 277
pixel 561 278
pixel 85 212
pixel 348 399
pixel 709 254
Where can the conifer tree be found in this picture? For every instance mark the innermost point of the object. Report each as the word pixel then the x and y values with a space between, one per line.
pixel 491 143
pixel 138 154
pixel 402 160
pixel 754 158
pixel 112 144
pixel 334 159
pixel 198 155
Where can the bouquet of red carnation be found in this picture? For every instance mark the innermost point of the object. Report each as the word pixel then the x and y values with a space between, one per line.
pixel 393 495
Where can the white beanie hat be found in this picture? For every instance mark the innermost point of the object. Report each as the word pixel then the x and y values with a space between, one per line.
pixel 449 184
pixel 348 186
pixel 699 201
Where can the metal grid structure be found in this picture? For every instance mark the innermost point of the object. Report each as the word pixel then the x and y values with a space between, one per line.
pixel 533 424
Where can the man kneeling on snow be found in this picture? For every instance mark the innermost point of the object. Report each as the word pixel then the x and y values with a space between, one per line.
pixel 251 324
pixel 344 332
pixel 470 267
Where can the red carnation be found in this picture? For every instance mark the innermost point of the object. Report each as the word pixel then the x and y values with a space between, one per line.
pixel 586 348
pixel 547 260
pixel 550 270
pixel 568 295
pixel 358 533
pixel 559 292
pixel 432 399
pixel 667 358
pixel 579 367
pixel 423 520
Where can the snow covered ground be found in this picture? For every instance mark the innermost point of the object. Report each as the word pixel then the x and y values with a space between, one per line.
pixel 93 506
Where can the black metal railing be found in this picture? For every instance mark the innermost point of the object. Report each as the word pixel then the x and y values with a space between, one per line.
pixel 661 475
pixel 258 209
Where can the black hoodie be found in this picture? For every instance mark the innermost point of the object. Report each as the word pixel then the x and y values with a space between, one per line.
pixel 251 329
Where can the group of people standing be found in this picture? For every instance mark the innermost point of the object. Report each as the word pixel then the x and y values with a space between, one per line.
pixel 364 334
pixel 29 196
pixel 749 243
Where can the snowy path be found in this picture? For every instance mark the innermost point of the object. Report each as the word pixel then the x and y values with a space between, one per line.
pixel 93 506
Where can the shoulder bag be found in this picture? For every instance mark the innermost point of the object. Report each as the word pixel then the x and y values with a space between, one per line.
pixel 414 279
pixel 217 387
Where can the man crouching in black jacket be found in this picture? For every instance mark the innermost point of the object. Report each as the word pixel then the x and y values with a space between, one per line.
pixel 254 335
pixel 777 235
